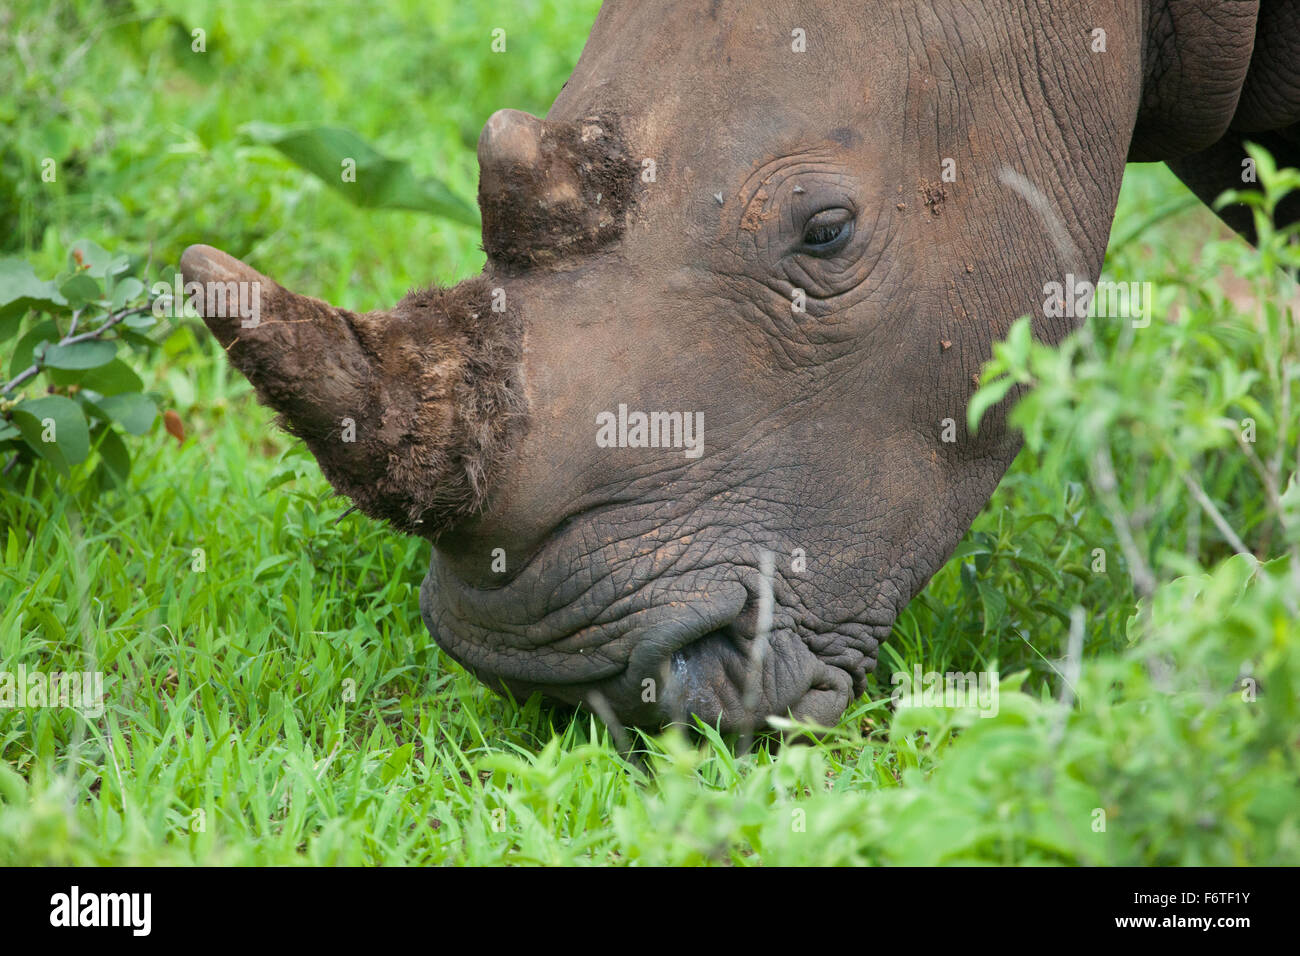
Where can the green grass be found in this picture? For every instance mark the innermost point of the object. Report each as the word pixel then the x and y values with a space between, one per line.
pixel 285 703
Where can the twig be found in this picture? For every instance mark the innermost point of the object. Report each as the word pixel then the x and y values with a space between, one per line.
pixel 597 702
pixel 758 649
pixel 1207 506
pixel 1070 678
pixel 1267 479
pixel 70 339
pixel 1103 479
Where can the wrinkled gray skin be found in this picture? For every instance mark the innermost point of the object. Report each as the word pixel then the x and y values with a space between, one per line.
pixel 632 581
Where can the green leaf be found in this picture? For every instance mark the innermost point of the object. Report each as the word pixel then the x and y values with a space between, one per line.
pixel 1014 351
pixel 112 378
pixel 80 355
pixel 140 322
pixel 126 290
pixel 20 291
pixel 381 182
pixel 995 607
pixel 80 289
pixel 1047 607
pixel 115 460
pixel 1041 568
pixel 71 437
pixel 270 563
pixel 135 412
pixel 969 579
pixel 396 763
pixel 13 786
pixel 279 478
pixel 1290 514
pixel 988 395
pixel 25 350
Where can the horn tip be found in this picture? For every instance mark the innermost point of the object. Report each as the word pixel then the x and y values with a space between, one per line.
pixel 200 263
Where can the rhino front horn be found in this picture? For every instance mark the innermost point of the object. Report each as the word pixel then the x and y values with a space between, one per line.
pixel 409 412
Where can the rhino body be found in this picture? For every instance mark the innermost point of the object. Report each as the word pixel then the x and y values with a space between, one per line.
pixel 797 227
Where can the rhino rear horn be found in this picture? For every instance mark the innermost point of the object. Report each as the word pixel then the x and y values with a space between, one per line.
pixel 410 412
pixel 550 189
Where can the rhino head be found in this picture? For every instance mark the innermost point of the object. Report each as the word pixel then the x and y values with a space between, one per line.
pixel 740 282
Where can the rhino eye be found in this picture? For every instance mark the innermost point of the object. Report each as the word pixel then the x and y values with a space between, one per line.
pixel 827 232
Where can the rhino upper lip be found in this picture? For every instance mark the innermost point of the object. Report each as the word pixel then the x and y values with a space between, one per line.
pixel 655 649
pixel 551 538
pixel 656 625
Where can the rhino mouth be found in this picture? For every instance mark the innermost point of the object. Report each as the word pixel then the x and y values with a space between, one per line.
pixel 736 681
pixel 685 647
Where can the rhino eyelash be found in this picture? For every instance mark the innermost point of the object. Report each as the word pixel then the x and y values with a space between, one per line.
pixel 822 235
pixel 827 233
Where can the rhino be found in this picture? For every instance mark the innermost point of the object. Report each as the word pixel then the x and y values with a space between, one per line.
pixel 680 448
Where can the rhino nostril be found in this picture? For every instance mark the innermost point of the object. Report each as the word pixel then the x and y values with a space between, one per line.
pixel 681 657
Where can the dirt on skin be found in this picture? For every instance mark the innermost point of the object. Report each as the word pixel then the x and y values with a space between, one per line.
pixel 932 194
pixel 754 215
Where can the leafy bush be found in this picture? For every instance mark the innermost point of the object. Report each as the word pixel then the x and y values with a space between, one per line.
pixel 1192 450
pixel 68 394
pixel 1165 757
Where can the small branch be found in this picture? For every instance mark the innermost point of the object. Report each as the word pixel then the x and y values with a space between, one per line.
pixel 1070 678
pixel 18 379
pixel 758 649
pixel 1103 479
pixel 1268 480
pixel 113 320
pixel 1207 506
pixel 32 370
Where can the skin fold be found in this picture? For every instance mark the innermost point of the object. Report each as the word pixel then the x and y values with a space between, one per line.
pixel 802 225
